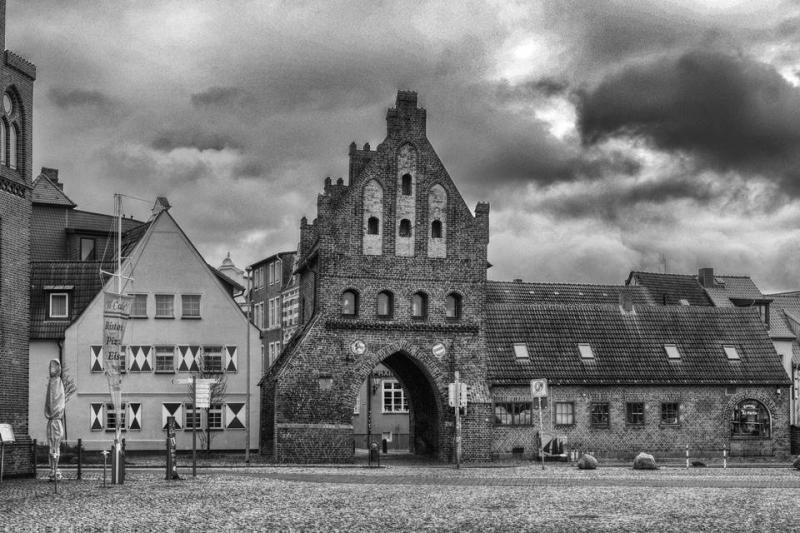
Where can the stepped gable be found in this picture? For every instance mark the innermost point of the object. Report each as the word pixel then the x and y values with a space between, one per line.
pixel 629 347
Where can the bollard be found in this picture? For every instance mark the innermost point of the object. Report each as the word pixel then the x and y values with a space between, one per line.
pixel 34 459
pixel 80 457
pixel 374 456
pixel 687 456
pixel 724 457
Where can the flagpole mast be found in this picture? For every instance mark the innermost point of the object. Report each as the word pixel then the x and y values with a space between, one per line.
pixel 118 406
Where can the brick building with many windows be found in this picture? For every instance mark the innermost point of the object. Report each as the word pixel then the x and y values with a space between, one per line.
pixel 16 133
pixel 393 274
pixel 275 301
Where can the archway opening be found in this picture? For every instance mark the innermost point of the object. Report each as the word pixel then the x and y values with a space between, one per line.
pixel 397 409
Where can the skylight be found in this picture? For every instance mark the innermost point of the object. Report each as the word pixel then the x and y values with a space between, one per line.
pixel 521 350
pixel 684 301
pixel 672 351
pixel 586 351
pixel 731 352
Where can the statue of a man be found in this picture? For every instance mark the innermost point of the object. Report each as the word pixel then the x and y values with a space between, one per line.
pixel 54 412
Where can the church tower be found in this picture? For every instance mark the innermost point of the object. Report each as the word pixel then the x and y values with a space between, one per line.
pixel 16 132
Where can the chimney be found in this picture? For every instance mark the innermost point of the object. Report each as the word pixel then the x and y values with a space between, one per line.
pixel 52 175
pixel 626 301
pixel 162 204
pixel 706 277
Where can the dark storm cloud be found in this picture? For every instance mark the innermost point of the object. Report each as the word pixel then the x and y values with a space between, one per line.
pixel 218 96
pixel 66 98
pixel 545 87
pixel 617 202
pixel 732 113
pixel 192 138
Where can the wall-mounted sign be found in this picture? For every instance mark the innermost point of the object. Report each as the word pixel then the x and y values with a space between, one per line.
pixel 439 350
pixel 358 347
pixel 539 388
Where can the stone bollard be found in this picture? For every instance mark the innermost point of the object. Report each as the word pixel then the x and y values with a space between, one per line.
pixel 645 461
pixel 587 462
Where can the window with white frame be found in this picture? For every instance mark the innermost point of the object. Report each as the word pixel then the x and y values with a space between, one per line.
pixel 278 267
pixel 87 249
pixel 212 359
pixel 165 359
pixel 190 306
pixel 191 417
pixel 274 351
pixel 165 306
pixel 274 312
pixel 565 413
pixel 271 278
pixel 139 306
pixel 394 397
pixel 111 417
pixel 215 416
pixel 58 306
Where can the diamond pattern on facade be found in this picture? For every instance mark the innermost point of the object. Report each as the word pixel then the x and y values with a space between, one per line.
pixel 235 415
pixel 188 358
pixel 171 409
pixel 141 359
pixel 96 416
pixel 231 358
pixel 134 416
pixel 96 358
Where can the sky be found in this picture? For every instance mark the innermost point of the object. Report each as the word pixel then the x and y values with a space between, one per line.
pixel 607 136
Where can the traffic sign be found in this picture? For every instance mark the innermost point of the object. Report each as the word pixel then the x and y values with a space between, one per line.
pixel 539 388
pixel 451 395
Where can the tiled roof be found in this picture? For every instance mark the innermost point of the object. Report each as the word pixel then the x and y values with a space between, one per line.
pixel 84 278
pixel 48 193
pixel 514 292
pixel 788 302
pixel 670 289
pixel 629 348
pixel 131 237
pixel 733 287
pixel 778 325
pixel 87 221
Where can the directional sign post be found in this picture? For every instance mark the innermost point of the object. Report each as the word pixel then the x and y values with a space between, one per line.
pixel 539 390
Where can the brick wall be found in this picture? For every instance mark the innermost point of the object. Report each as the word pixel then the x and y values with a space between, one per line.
pixel 705 413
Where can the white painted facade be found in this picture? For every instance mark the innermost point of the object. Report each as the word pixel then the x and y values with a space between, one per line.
pixel 164 262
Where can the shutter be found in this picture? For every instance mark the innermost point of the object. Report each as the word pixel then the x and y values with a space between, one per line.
pixel 235 416
pixel 172 409
pixel 123 352
pixel 141 359
pixel 231 358
pixel 96 416
pixel 188 358
pixel 96 358
pixel 134 416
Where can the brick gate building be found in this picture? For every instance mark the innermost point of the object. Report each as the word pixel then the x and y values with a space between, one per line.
pixel 393 272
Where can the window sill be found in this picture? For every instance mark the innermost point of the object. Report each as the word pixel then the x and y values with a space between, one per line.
pixel 164 317
pixel 164 371
pixel 394 412
pixel 599 426
pixel 139 317
pixel 191 318
pixel 666 425
pixel 564 426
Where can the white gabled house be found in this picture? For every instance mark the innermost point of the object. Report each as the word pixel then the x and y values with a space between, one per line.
pixel 183 318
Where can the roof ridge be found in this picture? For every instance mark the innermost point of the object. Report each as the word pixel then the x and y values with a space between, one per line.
pixel 560 283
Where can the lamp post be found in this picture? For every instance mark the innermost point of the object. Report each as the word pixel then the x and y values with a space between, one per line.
pixel 249 302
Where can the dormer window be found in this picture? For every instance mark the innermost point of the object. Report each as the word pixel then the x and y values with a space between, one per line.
pixel 58 305
pixel 87 249
pixel 672 351
pixel 731 352
pixel 586 351
pixel 521 350
pixel 406 185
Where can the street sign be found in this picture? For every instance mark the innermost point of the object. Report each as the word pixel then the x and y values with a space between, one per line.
pixel 539 388
pixel 202 393
pixel 439 350
pixel 451 395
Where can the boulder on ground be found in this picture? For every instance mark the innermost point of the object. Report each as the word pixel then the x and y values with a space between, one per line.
pixel 587 462
pixel 796 463
pixel 645 461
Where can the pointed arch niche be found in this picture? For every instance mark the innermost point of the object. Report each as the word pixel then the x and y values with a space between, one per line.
pixel 437 222
pixel 406 199
pixel 373 218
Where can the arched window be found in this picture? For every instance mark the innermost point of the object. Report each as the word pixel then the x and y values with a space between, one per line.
pixel 406 185
pixel 405 228
pixel 372 225
pixel 419 305
pixel 12 146
pixel 350 303
pixel 453 306
pixel 436 229
pixel 750 419
pixel 385 304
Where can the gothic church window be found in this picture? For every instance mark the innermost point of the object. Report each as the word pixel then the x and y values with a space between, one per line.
pixel 405 228
pixel 9 132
